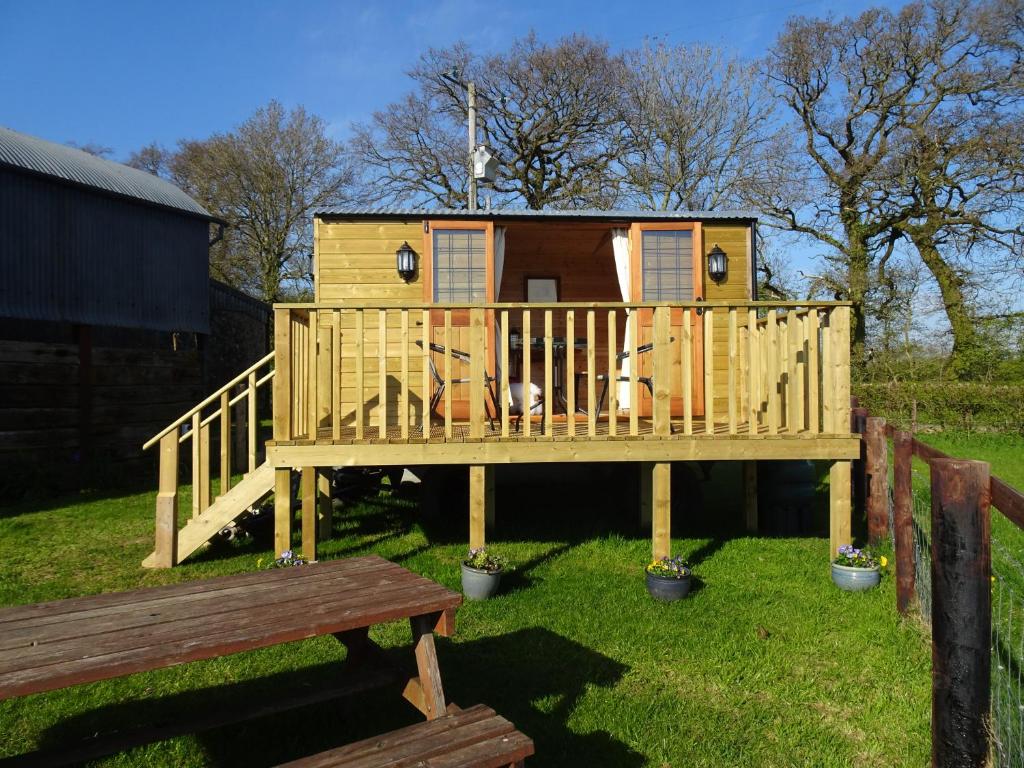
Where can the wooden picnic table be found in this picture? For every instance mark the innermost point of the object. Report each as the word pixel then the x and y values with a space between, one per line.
pixel 53 645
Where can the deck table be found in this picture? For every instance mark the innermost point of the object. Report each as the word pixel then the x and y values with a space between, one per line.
pixel 53 645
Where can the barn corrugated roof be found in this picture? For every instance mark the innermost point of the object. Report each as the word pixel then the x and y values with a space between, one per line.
pixel 511 213
pixel 35 155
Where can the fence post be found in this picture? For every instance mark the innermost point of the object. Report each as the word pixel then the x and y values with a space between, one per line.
pixel 903 518
pixel 877 468
pixel 961 612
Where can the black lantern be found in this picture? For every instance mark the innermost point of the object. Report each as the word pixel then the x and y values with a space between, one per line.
pixel 718 264
pixel 406 257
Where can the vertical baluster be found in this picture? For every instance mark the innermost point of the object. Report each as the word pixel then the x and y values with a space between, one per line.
pixel 448 374
pixel 204 468
pixel 754 383
pixel 403 410
pixel 661 406
pixel 634 366
pixel 382 374
pixel 785 380
pixel 283 373
pixel 477 383
pixel 613 372
pixel 686 365
pixel 225 442
pixel 813 375
pixel 570 372
pixel 772 348
pixel 796 367
pixel 841 369
pixel 591 373
pixel 251 426
pixel 336 358
pixel 732 375
pixel 549 400
pixel 312 374
pixel 709 371
pixel 427 382
pixel 360 403
pixel 196 458
pixel 527 402
pixel 504 396
pixel 827 388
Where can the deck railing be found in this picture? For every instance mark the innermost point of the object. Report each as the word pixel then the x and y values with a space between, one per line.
pixel 364 371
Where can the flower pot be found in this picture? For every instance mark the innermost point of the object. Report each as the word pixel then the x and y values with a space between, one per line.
pixel 855 579
pixel 479 585
pixel 667 589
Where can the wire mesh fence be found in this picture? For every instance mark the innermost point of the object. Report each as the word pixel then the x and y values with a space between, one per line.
pixel 1007 636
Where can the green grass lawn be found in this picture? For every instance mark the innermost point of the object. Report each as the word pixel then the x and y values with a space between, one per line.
pixel 765 664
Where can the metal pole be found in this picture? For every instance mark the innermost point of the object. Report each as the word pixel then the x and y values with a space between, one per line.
pixel 471 95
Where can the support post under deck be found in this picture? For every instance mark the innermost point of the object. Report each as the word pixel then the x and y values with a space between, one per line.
pixel 481 503
pixel 308 495
pixel 839 507
pixel 282 510
pixel 661 503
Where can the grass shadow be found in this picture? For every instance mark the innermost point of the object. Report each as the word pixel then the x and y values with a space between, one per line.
pixel 533 676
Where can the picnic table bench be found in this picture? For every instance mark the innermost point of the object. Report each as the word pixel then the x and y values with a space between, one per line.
pixel 53 645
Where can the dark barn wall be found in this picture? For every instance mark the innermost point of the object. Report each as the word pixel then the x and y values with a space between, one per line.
pixel 103 301
pixel 77 402
pixel 73 255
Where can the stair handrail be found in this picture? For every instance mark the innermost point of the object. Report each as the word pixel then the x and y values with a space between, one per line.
pixel 187 416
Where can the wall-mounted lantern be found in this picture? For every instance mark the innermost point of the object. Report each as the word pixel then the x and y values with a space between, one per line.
pixel 718 264
pixel 406 262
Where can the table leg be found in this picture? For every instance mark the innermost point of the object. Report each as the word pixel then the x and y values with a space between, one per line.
pixel 425 691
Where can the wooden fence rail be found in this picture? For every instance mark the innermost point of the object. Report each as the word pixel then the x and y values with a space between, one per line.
pixel 962 494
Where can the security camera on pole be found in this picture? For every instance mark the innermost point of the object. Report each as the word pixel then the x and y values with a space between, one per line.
pixel 482 164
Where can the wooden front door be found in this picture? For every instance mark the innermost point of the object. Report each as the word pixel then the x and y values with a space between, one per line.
pixel 458 267
pixel 666 265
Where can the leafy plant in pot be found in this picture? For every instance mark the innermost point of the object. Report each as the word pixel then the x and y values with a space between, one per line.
pixel 668 579
pixel 855 570
pixel 481 573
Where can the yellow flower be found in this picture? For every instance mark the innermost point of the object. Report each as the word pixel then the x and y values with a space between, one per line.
pixel 883 560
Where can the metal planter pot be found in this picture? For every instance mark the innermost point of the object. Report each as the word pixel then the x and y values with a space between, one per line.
pixel 479 585
pixel 855 579
pixel 667 590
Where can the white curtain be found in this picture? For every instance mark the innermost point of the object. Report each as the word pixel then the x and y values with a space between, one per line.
pixel 499 268
pixel 620 247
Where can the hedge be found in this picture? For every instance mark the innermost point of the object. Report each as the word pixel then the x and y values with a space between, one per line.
pixel 946 405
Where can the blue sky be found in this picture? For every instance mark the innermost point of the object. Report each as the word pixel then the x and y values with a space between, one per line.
pixel 122 74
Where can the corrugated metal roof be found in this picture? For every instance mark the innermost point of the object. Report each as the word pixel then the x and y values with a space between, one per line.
pixel 509 213
pixel 72 165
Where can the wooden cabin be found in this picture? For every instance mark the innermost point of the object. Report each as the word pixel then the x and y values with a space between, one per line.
pixel 441 337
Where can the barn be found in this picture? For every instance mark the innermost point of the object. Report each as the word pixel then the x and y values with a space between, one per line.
pixel 105 311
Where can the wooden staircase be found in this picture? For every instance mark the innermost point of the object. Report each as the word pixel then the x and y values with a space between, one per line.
pixel 230 415
pixel 255 487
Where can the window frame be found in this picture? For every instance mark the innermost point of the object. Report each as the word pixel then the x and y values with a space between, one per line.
pixel 636 255
pixel 430 227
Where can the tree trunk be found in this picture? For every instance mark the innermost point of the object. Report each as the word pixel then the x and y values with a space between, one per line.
pixel 951 285
pixel 857 263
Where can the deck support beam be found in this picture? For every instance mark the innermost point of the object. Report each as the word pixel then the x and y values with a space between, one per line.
pixel 750 495
pixel 282 510
pixel 481 503
pixel 309 526
pixel 839 507
pixel 661 509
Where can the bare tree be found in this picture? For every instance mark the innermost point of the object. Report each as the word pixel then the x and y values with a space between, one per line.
pixel 692 120
pixel 548 111
pixel 151 158
pixel 93 148
pixel 855 90
pixel 265 179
